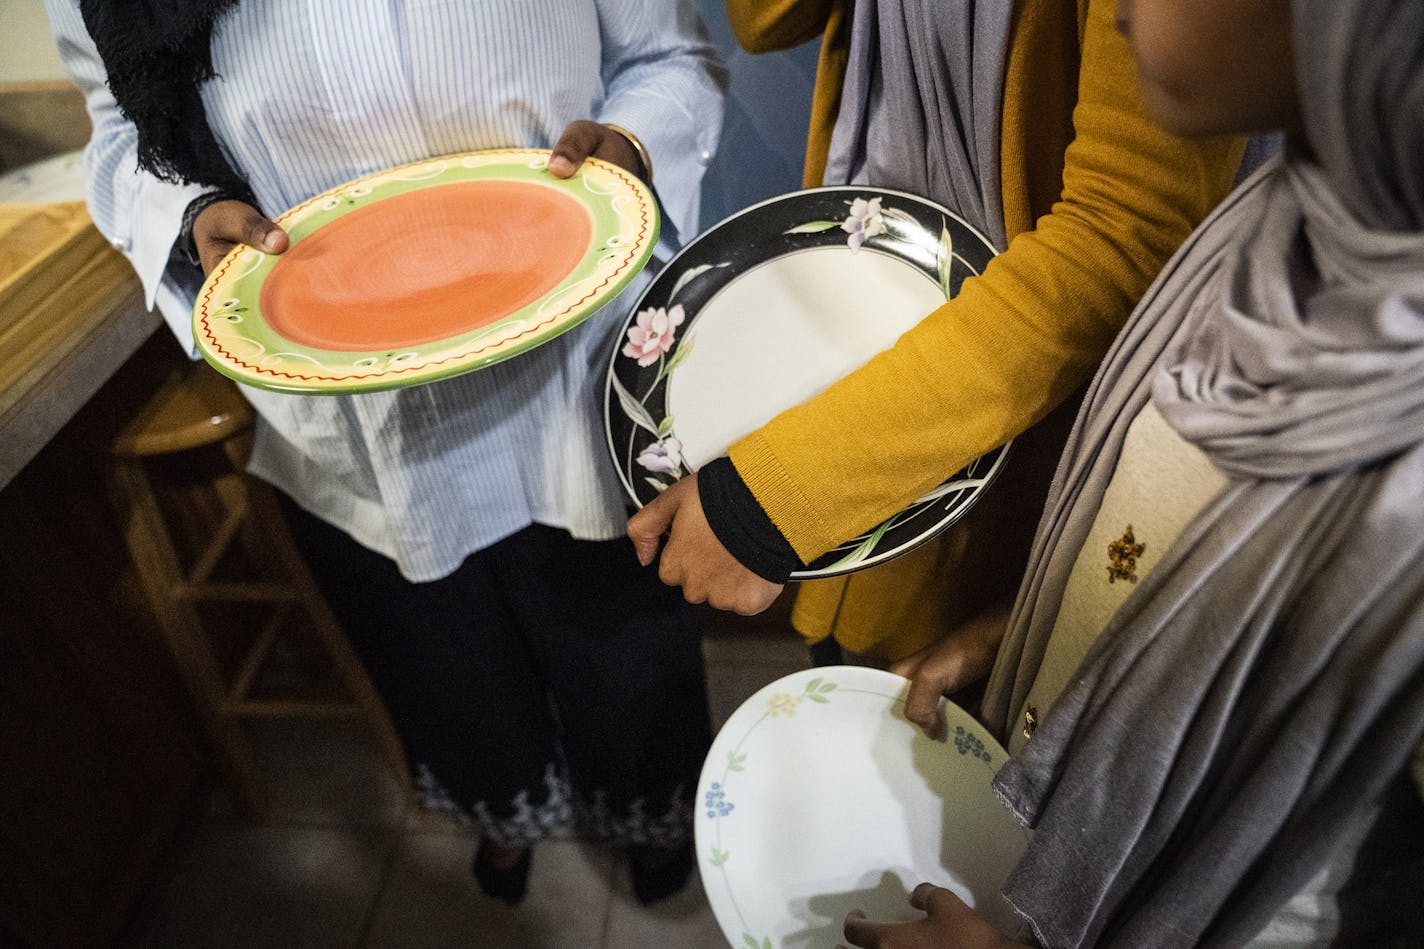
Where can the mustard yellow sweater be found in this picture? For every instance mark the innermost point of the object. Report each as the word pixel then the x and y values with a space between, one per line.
pixel 1096 198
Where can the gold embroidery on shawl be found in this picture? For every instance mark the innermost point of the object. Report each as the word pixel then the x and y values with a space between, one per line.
pixel 1122 557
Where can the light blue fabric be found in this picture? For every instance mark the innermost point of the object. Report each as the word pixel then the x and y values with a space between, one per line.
pixel 311 93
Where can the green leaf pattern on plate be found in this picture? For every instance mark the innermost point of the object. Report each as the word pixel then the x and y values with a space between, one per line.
pixel 867 544
pixel 679 357
pixel 813 227
pixel 634 408
pixel 690 275
pixel 816 690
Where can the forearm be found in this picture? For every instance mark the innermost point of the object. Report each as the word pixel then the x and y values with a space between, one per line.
pixel 1015 342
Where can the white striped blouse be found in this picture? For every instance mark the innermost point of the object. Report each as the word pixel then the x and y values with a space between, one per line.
pixel 312 93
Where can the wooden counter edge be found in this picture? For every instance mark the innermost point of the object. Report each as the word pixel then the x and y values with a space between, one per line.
pixel 69 356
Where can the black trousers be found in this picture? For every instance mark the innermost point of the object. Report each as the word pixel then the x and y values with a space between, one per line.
pixel 549 685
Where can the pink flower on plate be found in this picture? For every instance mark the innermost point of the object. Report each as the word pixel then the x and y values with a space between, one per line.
pixel 663 456
pixel 653 334
pixel 865 222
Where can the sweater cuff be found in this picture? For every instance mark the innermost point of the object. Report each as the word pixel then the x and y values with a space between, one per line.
pixel 741 525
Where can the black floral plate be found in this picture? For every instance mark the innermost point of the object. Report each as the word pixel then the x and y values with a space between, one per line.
pixel 765 310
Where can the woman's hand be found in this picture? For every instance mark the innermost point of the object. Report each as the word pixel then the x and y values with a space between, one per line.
pixel 586 138
pixel 693 558
pixel 949 924
pixel 962 658
pixel 224 224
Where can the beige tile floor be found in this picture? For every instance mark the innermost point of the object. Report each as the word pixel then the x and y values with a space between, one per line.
pixel 343 862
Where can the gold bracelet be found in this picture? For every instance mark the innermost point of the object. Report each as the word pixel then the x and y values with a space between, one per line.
pixel 638 148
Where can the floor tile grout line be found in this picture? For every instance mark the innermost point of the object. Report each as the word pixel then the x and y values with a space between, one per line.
pixel 612 880
pixel 388 867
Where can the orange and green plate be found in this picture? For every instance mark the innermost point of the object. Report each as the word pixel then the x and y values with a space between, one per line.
pixel 426 271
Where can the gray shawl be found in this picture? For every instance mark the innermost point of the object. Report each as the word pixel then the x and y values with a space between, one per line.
pixel 1265 683
pixel 922 103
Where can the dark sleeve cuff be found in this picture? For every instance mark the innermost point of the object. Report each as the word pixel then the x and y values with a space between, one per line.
pixel 741 525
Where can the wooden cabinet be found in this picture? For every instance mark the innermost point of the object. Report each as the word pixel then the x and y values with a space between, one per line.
pixel 99 755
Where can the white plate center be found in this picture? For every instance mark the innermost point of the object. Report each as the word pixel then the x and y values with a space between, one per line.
pixel 783 332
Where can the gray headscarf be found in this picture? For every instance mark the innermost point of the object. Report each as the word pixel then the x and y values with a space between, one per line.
pixel 1265 682
pixel 922 103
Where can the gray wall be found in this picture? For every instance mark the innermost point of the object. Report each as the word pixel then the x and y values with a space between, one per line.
pixel 764 131
pixel 26 48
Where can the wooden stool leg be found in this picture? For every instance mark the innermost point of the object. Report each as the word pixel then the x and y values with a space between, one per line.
pixel 267 516
pixel 162 578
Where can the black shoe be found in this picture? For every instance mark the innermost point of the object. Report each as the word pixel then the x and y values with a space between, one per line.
pixel 659 872
pixel 508 886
